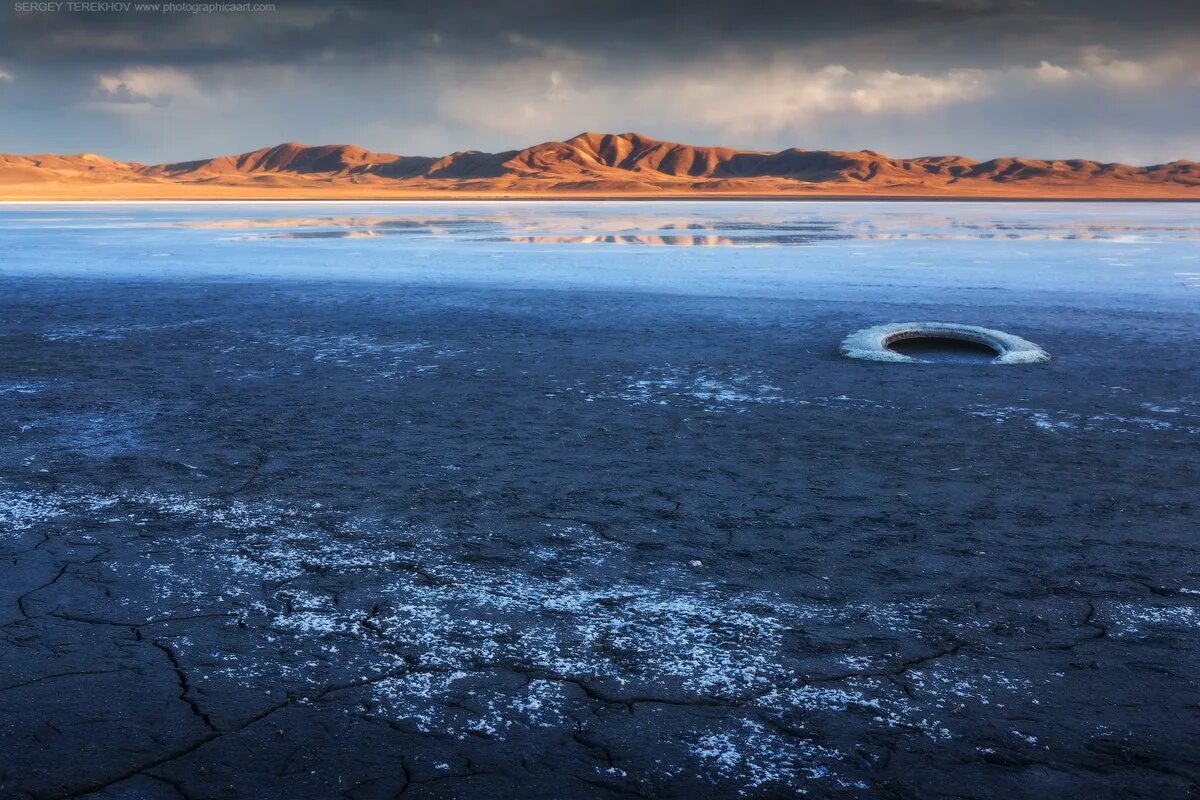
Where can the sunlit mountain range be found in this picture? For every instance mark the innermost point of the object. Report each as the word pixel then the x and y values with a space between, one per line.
pixel 587 165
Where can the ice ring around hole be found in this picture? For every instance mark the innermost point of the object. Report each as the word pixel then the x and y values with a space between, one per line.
pixel 874 344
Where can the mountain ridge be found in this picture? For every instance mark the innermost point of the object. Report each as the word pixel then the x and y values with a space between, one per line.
pixel 598 164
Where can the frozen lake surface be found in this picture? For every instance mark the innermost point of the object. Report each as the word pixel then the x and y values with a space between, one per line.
pixel 481 500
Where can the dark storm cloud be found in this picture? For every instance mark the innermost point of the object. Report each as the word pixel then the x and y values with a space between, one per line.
pixel 306 31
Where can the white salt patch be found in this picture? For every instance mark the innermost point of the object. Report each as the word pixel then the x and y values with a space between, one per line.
pixel 23 387
pixel 20 511
pixel 755 756
pixel 455 622
pixel 1060 421
pixel 1131 618
pixel 715 390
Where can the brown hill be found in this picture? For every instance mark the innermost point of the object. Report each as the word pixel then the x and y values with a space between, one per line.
pixel 83 167
pixel 590 164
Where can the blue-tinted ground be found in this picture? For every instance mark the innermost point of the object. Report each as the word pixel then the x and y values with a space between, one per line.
pixel 509 501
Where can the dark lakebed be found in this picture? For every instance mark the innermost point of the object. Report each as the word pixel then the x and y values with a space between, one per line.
pixel 317 537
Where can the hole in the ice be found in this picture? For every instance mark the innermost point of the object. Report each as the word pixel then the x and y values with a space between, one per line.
pixel 943 348
pixel 916 342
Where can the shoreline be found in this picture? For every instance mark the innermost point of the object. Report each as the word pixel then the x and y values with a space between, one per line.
pixel 465 197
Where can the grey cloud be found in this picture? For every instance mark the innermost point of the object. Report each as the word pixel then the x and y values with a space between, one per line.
pixel 907 77
pixel 123 93
pixel 302 30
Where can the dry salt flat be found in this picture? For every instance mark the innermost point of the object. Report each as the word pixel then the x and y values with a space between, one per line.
pixel 483 500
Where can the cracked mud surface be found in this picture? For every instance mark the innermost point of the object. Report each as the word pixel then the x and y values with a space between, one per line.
pixel 288 540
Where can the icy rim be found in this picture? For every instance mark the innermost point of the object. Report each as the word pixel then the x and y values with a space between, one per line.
pixel 871 344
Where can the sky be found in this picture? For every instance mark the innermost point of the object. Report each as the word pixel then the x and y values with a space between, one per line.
pixel 1110 80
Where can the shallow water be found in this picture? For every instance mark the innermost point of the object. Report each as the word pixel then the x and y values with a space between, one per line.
pixel 466 499
pixel 1125 254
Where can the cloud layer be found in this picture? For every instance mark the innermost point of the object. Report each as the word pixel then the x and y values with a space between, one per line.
pixel 1114 81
